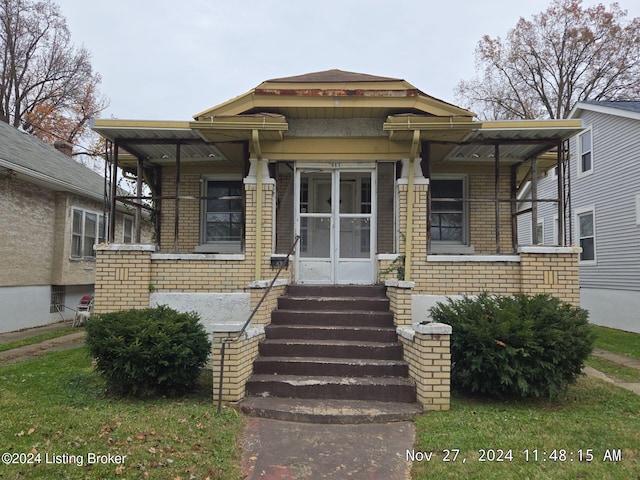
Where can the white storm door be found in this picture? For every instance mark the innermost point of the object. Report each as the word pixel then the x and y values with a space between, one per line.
pixel 336 223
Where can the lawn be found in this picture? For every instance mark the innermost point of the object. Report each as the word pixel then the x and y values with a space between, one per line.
pixel 593 421
pixel 618 341
pixel 54 410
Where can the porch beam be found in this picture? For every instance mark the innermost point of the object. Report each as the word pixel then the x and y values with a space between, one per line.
pixel 114 192
pixel 560 175
pixel 534 200
pixel 176 217
pixel 138 217
pixel 496 172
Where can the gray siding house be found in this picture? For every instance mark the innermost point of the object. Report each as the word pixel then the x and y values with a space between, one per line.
pixel 604 219
pixel 51 216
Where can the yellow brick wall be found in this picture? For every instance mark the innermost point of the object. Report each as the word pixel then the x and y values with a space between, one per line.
pixel 553 274
pixel 429 359
pixel 122 279
pixel 238 366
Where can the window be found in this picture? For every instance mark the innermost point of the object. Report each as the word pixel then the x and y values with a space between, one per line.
pixel 585 223
pixel 127 229
pixel 223 222
pixel 448 211
pixel 57 298
pixel 585 147
pixel 86 231
pixel 540 232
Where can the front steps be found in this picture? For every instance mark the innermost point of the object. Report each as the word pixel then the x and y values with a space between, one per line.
pixel 331 355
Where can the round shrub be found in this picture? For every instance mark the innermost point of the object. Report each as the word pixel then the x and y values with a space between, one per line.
pixel 153 351
pixel 515 346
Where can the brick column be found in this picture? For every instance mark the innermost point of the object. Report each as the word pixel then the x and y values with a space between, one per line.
pixel 270 303
pixel 399 293
pixel 238 363
pixel 550 270
pixel 123 277
pixel 427 350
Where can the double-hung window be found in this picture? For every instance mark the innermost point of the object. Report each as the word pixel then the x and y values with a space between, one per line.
pixel 449 224
pixel 222 216
pixel 585 147
pixel 585 224
pixel 86 231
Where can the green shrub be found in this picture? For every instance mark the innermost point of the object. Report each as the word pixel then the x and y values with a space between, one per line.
pixel 515 346
pixel 154 351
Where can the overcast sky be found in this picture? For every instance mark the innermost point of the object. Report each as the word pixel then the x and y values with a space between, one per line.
pixel 168 60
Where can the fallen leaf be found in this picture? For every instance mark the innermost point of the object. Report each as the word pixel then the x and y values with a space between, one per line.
pixel 30 431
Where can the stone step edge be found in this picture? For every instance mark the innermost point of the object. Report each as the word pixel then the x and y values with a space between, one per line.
pixel 329 411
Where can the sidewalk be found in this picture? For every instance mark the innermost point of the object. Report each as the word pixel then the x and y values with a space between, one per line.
pixel 620 360
pixel 28 352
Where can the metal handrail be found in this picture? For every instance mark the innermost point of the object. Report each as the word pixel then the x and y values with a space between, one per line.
pixel 248 321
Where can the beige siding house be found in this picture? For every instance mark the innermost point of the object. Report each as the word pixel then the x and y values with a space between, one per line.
pixel 380 182
pixel 51 216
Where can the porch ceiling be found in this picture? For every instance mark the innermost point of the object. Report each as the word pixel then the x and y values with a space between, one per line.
pixel 475 142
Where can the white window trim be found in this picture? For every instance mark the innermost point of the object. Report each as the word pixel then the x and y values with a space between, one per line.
pixel 541 237
pixel 577 212
pixel 443 247
pixel 124 217
pixel 221 247
pixel 579 144
pixel 85 211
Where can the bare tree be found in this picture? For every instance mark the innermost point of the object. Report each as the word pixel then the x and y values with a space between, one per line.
pixel 564 55
pixel 47 87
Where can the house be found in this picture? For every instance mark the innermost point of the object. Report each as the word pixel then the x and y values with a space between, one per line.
pixel 603 214
pixel 51 215
pixel 366 179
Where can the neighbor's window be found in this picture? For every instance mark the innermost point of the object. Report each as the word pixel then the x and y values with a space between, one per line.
pixel 540 232
pixel 222 223
pixel 85 233
pixel 448 210
pixel 127 229
pixel 586 235
pixel 57 298
pixel 585 144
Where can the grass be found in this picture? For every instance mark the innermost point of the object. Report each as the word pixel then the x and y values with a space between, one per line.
pixel 592 415
pixel 38 338
pixel 618 341
pixel 56 406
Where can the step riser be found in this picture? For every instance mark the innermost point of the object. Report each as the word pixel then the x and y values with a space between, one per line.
pixel 342 333
pixel 333 304
pixel 383 393
pixel 354 319
pixel 336 291
pixel 379 352
pixel 331 369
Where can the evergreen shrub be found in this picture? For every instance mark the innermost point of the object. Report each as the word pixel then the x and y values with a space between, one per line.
pixel 522 346
pixel 147 352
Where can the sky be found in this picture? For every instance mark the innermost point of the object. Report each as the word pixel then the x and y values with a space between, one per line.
pixel 169 60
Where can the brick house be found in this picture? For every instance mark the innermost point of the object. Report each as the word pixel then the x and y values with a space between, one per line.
pixel 51 214
pixel 382 183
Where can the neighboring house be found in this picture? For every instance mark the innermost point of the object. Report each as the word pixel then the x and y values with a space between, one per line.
pixel 374 176
pixel 51 216
pixel 604 173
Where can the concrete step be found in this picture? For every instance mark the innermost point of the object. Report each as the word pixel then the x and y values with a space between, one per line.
pixel 333 367
pixel 336 291
pixel 341 304
pixel 329 411
pixel 332 332
pixel 335 317
pixel 331 349
pixel 382 389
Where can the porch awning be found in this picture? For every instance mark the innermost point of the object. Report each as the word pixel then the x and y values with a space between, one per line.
pixel 462 140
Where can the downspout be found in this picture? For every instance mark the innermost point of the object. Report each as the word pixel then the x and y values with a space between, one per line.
pixel 410 199
pixel 255 140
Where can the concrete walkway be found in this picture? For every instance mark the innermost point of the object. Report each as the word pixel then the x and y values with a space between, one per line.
pixel 620 360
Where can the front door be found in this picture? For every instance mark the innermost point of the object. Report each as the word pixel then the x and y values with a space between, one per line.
pixel 336 223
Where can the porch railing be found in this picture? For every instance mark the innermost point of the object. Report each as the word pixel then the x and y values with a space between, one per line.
pixel 283 263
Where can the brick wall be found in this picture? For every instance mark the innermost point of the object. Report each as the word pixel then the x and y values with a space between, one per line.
pixel 238 365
